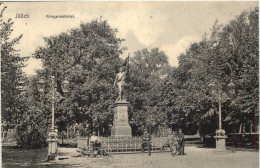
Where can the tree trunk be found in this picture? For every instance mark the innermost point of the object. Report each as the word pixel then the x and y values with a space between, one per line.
pixel 67 132
pixel 240 128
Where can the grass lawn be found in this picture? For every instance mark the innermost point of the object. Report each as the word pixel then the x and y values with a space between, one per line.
pixel 13 157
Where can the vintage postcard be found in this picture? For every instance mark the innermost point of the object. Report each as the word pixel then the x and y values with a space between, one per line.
pixel 129 84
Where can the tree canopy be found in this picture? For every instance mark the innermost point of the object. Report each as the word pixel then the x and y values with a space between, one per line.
pixel 89 57
pixel 12 76
pixel 148 69
pixel 160 95
pixel 229 54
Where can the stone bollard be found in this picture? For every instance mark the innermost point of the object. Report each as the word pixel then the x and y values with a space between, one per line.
pixel 220 143
pixel 52 145
pixel 220 140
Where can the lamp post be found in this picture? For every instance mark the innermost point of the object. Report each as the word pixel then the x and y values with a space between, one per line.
pixel 220 133
pixel 55 97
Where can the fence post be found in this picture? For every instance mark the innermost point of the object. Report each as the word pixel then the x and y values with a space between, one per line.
pixel 67 132
pixel 88 143
pixel 138 147
pixel 77 137
pixel 117 144
pixel 149 146
pixel 126 144
pixel 152 145
pixel 114 143
pixel 135 143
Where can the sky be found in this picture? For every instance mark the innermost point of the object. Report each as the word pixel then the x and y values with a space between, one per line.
pixel 170 26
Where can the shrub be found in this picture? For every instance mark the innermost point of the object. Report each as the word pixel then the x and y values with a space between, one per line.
pixel 31 138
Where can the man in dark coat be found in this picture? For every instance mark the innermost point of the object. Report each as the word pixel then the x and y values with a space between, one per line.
pixel 146 142
pixel 181 142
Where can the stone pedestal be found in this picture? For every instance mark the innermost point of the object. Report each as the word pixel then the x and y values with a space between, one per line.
pixel 220 143
pixel 121 127
pixel 52 145
pixel 220 140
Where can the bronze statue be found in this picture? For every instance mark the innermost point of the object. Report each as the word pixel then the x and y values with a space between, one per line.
pixel 120 79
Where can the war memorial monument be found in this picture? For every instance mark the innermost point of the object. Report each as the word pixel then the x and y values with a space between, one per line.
pixel 121 127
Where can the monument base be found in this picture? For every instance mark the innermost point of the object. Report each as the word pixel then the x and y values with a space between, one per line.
pixel 121 127
pixel 121 131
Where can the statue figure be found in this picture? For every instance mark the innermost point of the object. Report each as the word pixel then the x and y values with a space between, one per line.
pixel 120 81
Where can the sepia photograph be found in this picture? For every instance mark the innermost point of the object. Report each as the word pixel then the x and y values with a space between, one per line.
pixel 128 84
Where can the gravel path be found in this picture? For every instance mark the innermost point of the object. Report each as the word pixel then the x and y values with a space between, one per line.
pixel 194 157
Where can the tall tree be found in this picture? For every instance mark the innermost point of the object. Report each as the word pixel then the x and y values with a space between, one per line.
pixel 12 76
pixel 147 71
pixel 228 55
pixel 240 40
pixel 89 57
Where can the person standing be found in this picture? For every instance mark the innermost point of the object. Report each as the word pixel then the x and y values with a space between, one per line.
pixel 149 144
pixel 181 142
pixel 172 141
pixel 170 138
pixel 146 142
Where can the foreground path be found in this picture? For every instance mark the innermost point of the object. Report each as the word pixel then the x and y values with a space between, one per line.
pixel 195 157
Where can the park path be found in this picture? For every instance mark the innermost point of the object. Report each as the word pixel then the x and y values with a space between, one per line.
pixel 194 158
